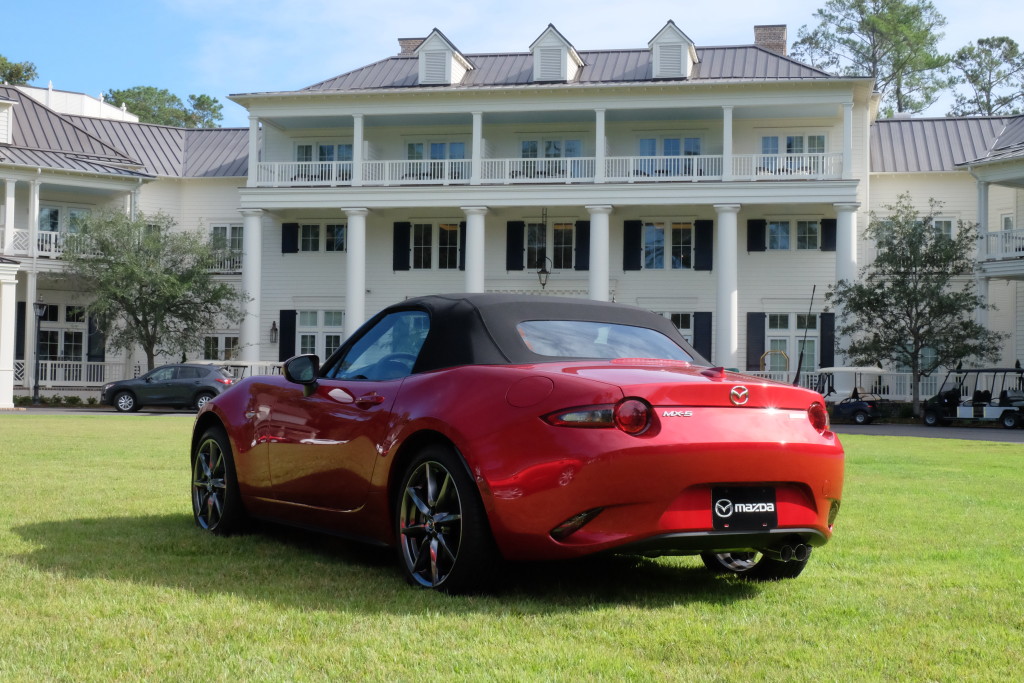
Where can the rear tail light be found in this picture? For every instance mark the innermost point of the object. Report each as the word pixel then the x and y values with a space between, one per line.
pixel 818 417
pixel 224 380
pixel 630 415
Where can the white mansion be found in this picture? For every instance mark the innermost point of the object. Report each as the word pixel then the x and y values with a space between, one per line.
pixel 715 185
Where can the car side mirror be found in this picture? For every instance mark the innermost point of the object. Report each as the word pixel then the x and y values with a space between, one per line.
pixel 303 370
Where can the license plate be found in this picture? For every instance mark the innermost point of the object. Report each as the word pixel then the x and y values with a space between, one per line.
pixel 744 507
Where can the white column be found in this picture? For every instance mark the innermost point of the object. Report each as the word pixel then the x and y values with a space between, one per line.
pixel 478 149
pixel 599 260
pixel 727 335
pixel 133 201
pixel 249 334
pixel 355 271
pixel 847 140
pixel 33 217
pixel 982 209
pixel 475 237
pixel 254 150
pixel 846 241
pixel 600 151
pixel 8 245
pixel 31 297
pixel 357 150
pixel 8 284
pixel 727 142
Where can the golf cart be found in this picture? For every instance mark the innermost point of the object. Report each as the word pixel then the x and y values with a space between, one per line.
pixel 979 395
pixel 855 391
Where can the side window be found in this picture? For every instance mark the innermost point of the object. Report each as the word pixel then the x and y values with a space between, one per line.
pixel 162 375
pixel 387 351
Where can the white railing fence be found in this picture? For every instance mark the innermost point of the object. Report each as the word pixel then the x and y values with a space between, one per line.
pixel 1004 244
pixel 895 386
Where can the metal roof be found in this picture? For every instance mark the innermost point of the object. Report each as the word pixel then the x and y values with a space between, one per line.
pixel 37 127
pixel 41 137
pixel 177 152
pixel 931 145
pixel 600 66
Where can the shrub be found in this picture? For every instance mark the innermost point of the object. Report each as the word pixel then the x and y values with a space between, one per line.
pixel 73 400
pixel 91 401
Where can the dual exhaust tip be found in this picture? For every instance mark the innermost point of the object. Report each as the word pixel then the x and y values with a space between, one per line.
pixel 789 553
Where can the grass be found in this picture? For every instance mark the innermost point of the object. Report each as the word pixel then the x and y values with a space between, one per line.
pixel 103 577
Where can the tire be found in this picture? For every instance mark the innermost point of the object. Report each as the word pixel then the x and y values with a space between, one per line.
pixel 753 566
pixel 444 541
pixel 861 418
pixel 125 402
pixel 932 418
pixel 1010 419
pixel 202 399
pixel 216 503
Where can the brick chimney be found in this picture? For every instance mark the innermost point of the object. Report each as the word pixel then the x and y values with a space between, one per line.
pixel 409 45
pixel 771 37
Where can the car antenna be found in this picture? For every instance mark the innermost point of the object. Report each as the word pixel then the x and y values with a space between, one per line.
pixel 800 356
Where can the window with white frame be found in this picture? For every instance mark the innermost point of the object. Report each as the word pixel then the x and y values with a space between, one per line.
pixel 557 242
pixel 319 331
pixel 62 333
pixel 792 338
pixel 1006 221
pixel 780 235
pixel 792 145
pixel 435 245
pixel 667 148
pixel 943 227
pixel 677 237
pixel 329 237
pixel 220 347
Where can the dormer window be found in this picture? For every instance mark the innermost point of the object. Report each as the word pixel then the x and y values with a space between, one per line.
pixel 440 63
pixel 672 53
pixel 554 57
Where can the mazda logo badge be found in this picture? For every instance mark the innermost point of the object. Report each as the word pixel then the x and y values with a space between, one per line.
pixel 723 508
pixel 739 396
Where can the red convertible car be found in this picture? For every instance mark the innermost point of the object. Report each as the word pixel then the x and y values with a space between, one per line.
pixel 462 429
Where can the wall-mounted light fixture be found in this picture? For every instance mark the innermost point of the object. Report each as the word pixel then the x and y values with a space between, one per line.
pixel 273 332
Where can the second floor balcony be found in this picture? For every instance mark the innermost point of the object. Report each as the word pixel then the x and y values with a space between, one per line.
pixel 566 170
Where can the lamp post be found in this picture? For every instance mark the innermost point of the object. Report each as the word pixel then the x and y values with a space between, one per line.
pixel 40 310
pixel 543 274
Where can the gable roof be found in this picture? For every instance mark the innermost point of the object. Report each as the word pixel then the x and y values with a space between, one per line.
pixel 41 137
pixel 600 66
pixel 177 152
pixel 932 145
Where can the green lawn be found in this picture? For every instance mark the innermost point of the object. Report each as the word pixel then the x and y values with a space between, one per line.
pixel 103 577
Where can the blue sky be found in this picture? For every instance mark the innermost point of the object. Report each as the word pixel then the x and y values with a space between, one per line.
pixel 219 47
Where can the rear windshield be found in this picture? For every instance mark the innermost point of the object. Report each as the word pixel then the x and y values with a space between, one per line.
pixel 579 339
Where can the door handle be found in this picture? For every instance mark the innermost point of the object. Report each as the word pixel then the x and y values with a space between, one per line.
pixel 369 400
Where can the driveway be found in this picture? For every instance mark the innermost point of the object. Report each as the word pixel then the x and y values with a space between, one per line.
pixel 969 433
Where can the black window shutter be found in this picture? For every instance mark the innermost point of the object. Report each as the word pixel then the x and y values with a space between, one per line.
pixel 702 333
pixel 462 245
pixel 514 240
pixel 400 255
pixel 828 235
pixel 19 331
pixel 632 245
pixel 704 244
pixel 756 229
pixel 827 357
pixel 286 339
pixel 290 238
pixel 96 351
pixel 755 340
pixel 581 259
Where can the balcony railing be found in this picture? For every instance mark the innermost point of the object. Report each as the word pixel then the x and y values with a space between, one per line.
pixel 67 373
pixel 1004 244
pixel 705 167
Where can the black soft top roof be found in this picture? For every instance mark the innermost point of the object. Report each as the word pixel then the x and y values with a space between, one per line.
pixel 480 329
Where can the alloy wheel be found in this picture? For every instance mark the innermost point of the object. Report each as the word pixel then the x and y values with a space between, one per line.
pixel 430 524
pixel 209 484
